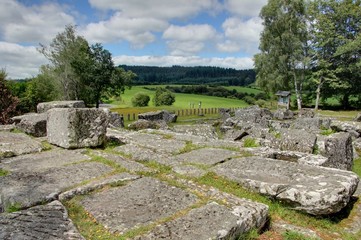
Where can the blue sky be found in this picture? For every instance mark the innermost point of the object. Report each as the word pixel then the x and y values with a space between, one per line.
pixel 221 33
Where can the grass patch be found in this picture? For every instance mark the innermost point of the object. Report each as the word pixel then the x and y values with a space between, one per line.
pixel 3 172
pixel 327 132
pixel 291 235
pixel 46 146
pixel 86 223
pixel 188 147
pixel 250 142
pixel 13 207
pixel 356 168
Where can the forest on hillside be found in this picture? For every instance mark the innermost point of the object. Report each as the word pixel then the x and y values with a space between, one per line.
pixel 147 75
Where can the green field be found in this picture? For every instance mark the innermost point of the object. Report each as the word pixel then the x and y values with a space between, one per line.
pixel 183 101
pixel 244 89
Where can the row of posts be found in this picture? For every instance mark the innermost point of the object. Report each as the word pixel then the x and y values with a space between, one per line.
pixel 183 112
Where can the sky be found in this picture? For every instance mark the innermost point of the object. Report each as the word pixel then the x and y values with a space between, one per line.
pixel 222 33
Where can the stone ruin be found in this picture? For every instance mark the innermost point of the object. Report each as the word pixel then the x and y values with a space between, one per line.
pixel 292 162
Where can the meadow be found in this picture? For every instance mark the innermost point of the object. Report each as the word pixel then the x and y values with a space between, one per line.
pixel 183 101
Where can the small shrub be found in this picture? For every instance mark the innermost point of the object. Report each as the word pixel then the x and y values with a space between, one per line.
pixel 3 172
pixel 140 100
pixel 261 103
pixel 327 132
pixel 250 100
pixel 13 208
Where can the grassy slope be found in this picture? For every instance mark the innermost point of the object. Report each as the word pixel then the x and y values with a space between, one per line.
pixel 182 100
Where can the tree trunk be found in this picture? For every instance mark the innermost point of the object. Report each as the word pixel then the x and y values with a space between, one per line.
pixel 318 93
pixel 298 92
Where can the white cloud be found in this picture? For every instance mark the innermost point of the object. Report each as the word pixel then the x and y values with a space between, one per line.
pixel 38 23
pixel 188 40
pixel 241 35
pixel 138 31
pixel 20 61
pixel 245 8
pixel 161 9
pixel 228 62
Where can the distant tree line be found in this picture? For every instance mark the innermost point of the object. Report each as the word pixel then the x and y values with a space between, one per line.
pixel 147 75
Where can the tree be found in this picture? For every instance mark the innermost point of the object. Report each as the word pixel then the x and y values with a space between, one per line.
pixel 64 49
pixel 336 43
pixel 7 101
pixel 140 100
pixel 283 60
pixel 163 97
pixel 42 88
pixel 98 75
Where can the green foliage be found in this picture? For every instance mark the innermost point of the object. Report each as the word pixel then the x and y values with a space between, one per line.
pixel 140 100
pixel 250 142
pixel 283 59
pixel 291 235
pixel 13 208
pixel 163 97
pixel 356 168
pixel 8 102
pixel 327 132
pixel 3 172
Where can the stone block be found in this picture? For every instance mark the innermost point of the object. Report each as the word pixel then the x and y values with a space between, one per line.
pixel 45 106
pixel 158 115
pixel 283 114
pixel 297 140
pixel 33 124
pixel 314 190
pixel 77 127
pixel 339 150
pixel 116 120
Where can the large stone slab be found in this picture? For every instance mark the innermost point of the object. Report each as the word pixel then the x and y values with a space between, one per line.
pixel 27 189
pixel 354 128
pixel 206 156
pixel 160 143
pixel 49 221
pixel 315 190
pixel 158 115
pixel 77 127
pixel 33 124
pixel 137 204
pixel 212 221
pixel 14 144
pixel 45 106
pixel 42 161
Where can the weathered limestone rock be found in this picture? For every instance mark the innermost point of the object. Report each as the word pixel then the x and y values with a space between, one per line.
pixel 254 114
pixel 45 106
pixel 315 190
pixel 7 127
pixel 297 140
pixel 225 113
pixel 159 115
pixel 311 124
pixel 202 130
pixel 212 221
pixel 116 120
pixel 14 144
pixel 283 114
pixel 146 124
pixel 49 221
pixel 141 202
pixel 33 124
pixel 77 127
pixel 306 112
pixel 354 128
pixel 27 189
pixel 339 151
pixel 206 156
pixel 281 226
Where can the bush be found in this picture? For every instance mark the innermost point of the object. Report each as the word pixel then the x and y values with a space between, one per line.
pixel 140 100
pixel 261 103
pixel 163 97
pixel 250 100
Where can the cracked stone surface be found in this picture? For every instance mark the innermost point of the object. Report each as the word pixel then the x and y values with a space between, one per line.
pixel 139 203
pixel 15 144
pixel 49 221
pixel 206 156
pixel 315 190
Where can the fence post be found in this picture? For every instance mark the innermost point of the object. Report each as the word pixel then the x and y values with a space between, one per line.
pixel 133 116
pixel 128 117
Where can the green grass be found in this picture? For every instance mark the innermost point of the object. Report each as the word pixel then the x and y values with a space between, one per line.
pixel 250 142
pixel 244 89
pixel 340 115
pixel 291 235
pixel 356 168
pixel 13 208
pixel 3 172
pixel 182 100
